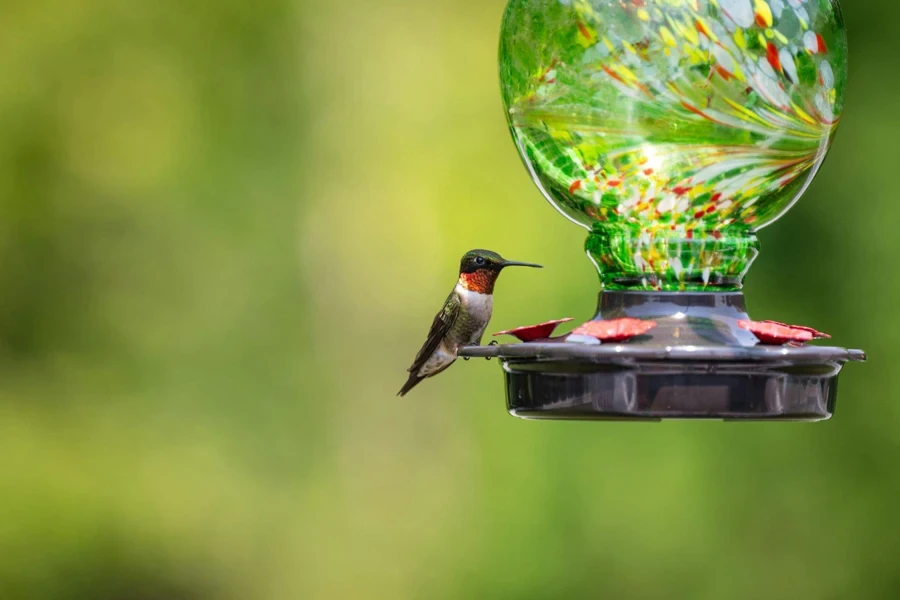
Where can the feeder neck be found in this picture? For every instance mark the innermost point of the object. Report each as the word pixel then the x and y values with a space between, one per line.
pixel 671 258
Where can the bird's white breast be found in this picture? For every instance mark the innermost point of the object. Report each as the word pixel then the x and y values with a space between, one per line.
pixel 476 304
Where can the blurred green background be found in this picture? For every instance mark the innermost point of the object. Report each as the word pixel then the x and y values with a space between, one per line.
pixel 224 229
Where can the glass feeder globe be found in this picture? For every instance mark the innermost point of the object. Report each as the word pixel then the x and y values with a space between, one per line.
pixel 673 129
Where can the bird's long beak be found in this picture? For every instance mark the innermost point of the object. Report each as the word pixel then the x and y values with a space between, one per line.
pixel 515 263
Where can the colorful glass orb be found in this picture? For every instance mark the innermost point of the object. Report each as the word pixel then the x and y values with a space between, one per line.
pixel 693 113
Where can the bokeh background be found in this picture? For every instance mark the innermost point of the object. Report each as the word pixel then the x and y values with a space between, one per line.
pixel 225 227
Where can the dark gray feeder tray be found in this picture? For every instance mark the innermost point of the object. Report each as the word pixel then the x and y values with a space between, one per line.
pixel 696 364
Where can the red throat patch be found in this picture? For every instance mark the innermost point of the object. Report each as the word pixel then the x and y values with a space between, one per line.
pixel 481 281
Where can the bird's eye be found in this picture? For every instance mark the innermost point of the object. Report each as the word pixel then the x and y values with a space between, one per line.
pixel 479 261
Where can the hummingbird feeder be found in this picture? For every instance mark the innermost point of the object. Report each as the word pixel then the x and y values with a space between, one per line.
pixel 672 130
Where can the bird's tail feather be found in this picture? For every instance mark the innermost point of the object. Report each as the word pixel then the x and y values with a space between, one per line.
pixel 412 382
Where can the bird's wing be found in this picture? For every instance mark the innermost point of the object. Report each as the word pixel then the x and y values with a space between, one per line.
pixel 439 328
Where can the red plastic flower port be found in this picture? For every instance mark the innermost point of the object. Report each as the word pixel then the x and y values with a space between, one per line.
pixel 775 333
pixel 534 332
pixel 617 330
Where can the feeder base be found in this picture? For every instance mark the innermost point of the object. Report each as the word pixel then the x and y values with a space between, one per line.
pixel 696 364
pixel 648 391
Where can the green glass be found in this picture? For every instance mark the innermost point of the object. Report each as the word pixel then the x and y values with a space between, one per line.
pixel 673 129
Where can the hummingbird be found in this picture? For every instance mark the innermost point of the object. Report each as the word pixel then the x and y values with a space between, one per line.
pixel 464 317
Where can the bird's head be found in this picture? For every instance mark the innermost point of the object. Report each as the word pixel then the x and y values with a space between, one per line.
pixel 479 269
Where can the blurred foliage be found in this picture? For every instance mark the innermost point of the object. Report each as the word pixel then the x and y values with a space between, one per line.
pixel 224 229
